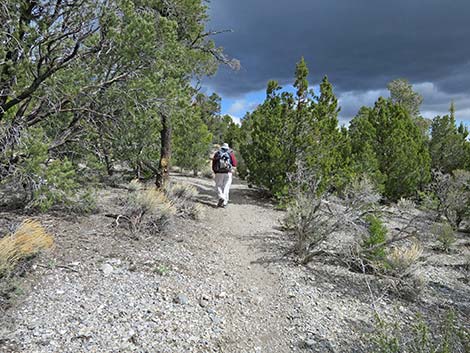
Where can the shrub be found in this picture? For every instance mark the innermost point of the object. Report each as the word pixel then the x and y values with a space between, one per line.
pixel 453 195
pixel 401 258
pixel 313 214
pixel 207 172
pixel 134 185
pixel 406 204
pixel 444 235
pixel 449 336
pixel 149 209
pixel 84 202
pixel 28 240
pixel 373 244
pixel 183 196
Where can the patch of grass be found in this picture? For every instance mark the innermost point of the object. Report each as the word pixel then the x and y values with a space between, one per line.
pixel 448 336
pixel 162 270
pixel 401 258
pixel 28 240
pixel 406 204
pixel 183 197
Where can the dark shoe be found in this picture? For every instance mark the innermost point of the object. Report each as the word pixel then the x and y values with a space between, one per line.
pixel 221 203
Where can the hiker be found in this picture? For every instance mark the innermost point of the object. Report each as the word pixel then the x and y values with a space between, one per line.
pixel 222 164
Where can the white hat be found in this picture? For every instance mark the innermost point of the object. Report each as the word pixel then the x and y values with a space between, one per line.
pixel 225 146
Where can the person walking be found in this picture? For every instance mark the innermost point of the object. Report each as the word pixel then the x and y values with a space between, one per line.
pixel 222 165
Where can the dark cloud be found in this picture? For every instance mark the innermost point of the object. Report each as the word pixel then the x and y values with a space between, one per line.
pixel 361 45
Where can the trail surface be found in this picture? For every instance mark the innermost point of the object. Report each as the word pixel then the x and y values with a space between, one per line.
pixel 204 287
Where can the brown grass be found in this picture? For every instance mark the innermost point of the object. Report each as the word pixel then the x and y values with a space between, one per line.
pixel 400 259
pixel 29 239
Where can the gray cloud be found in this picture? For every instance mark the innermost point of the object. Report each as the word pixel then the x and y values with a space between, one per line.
pixel 361 45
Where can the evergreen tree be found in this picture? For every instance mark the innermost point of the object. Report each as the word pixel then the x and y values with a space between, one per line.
pixel 265 150
pixel 448 147
pixel 401 93
pixel 192 142
pixel 389 147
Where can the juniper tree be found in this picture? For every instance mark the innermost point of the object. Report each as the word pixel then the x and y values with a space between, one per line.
pixel 388 138
pixel 448 146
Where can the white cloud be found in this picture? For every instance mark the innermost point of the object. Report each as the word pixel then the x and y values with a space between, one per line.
pixel 436 102
pixel 236 120
pixel 238 107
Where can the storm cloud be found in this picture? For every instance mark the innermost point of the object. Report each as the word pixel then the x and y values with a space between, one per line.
pixel 361 45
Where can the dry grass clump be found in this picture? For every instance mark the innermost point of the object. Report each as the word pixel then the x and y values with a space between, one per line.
pixel 182 191
pixel 149 209
pixel 207 173
pixel 406 204
pixel 135 185
pixel 154 201
pixel 400 259
pixel 183 196
pixel 28 240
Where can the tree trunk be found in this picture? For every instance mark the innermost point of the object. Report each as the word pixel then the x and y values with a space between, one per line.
pixel 163 174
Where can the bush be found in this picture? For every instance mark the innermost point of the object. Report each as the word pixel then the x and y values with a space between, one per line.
pixel 183 196
pixel 405 204
pixel 313 214
pixel 28 240
pixel 207 172
pixel 449 336
pixel 373 244
pixel 400 259
pixel 149 209
pixel 453 195
pixel 444 234
pixel 44 182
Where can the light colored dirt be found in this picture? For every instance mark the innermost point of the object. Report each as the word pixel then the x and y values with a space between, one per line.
pixel 235 290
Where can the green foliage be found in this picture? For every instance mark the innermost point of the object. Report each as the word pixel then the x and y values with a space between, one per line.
pixel 287 129
pixel 449 147
pixel 100 90
pixel 266 151
pixel 46 182
pixel 401 93
pixel 449 336
pixel 373 245
pixel 444 234
pixel 391 149
pixel 192 142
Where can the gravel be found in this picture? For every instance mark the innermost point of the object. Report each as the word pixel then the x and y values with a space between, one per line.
pixel 218 285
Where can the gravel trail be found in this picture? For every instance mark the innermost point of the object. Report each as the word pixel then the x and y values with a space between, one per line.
pixel 205 287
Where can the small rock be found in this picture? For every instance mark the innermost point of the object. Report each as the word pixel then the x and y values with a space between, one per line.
pixel 216 320
pixel 181 299
pixel 222 295
pixel 310 343
pixel 203 302
pixel 107 269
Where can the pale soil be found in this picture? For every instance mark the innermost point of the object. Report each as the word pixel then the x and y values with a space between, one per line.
pixel 238 292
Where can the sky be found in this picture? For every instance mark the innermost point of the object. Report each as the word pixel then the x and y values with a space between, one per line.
pixel 361 45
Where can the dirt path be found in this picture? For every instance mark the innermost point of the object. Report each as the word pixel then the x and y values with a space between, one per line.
pixel 208 286
pixel 241 233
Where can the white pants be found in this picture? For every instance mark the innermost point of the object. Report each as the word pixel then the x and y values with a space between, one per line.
pixel 223 181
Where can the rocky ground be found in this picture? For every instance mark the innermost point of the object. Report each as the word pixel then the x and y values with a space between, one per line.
pixel 221 284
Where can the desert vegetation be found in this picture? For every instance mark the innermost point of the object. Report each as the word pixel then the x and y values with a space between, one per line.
pixel 102 98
